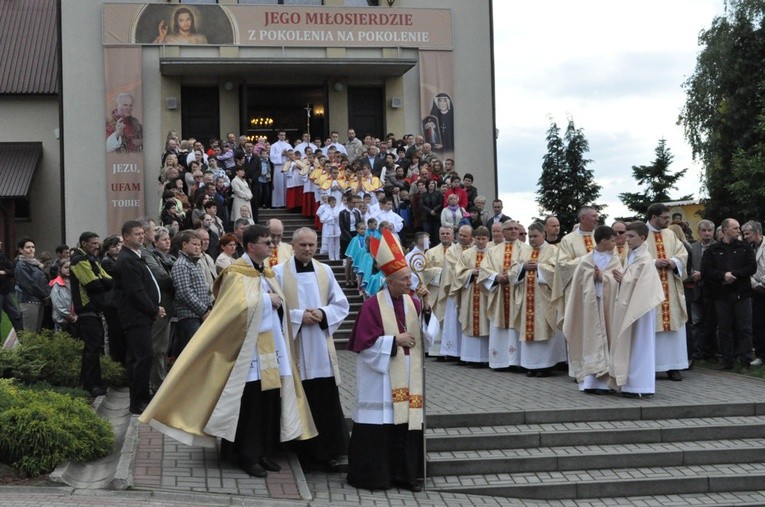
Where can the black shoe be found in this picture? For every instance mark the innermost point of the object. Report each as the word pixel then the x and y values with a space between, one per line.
pixel 414 486
pixel 139 409
pixel 255 471
pixel 531 373
pixel 97 391
pixel 332 466
pixel 674 375
pixel 596 391
pixel 637 395
pixel 544 373
pixel 269 464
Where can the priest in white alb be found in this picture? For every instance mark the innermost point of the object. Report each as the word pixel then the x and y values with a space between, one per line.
pixel 451 329
pixel 317 308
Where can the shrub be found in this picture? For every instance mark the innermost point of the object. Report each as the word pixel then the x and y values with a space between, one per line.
pixel 54 358
pixel 40 429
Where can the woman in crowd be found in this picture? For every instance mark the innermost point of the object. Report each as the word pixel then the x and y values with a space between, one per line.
pixel 61 300
pixel 452 213
pixel 31 285
pixel 432 202
pixel 226 250
pixel 241 193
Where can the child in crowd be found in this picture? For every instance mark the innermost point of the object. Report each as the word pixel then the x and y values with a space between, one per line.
pixel 330 231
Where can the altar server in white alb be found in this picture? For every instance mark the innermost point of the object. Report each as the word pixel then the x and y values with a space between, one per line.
pixel 317 308
pixel 278 157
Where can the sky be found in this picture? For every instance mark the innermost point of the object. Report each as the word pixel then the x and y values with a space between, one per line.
pixel 615 67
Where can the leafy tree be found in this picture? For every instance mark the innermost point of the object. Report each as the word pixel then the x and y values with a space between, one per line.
pixel 724 98
pixel 566 184
pixel 657 179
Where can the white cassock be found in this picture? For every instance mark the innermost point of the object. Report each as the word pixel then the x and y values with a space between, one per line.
pixel 279 195
pixel 314 360
pixel 391 217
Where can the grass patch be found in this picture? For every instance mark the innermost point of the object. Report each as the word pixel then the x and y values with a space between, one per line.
pixel 752 371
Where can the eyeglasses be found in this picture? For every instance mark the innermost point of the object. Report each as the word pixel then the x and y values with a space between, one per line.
pixel 267 243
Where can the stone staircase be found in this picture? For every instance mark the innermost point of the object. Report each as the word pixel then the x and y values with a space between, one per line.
pixel 294 221
pixel 599 453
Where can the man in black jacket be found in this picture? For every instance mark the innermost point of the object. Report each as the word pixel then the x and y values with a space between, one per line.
pixel 90 288
pixel 349 217
pixel 727 266
pixel 137 297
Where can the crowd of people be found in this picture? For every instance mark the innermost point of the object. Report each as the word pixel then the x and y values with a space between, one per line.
pixel 206 300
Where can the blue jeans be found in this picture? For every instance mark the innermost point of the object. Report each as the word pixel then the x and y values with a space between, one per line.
pixel 8 304
pixel 184 330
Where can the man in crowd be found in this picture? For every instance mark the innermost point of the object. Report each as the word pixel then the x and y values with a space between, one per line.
pixel 192 294
pixel 278 157
pixel 239 369
pixel 137 298
pixel 435 259
pixel 280 250
pixel 386 446
pixel 497 234
pixel 387 214
pixel 498 216
pixel 504 349
pixel 354 147
pixel 473 311
pixel 620 229
pixel 451 330
pixel 728 266
pixel 703 341
pixel 671 259
pixel 160 329
pixel 542 345
pixel 552 230
pixel 317 308
pixel 753 235
pixel 91 286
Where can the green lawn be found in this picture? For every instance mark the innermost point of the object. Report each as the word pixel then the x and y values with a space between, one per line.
pixel 753 371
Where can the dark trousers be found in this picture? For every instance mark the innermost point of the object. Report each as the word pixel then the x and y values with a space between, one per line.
pixel 138 355
pixel 184 331
pixel 90 329
pixel 758 324
pixel 257 431
pixel 8 304
pixel 381 456
pixel 332 440
pixel 116 335
pixel 432 229
pixel 704 336
pixel 734 329
pixel 264 194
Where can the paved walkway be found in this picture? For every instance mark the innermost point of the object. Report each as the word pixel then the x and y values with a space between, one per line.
pixel 168 473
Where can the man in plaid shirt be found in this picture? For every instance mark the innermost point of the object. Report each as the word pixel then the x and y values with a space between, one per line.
pixel 193 301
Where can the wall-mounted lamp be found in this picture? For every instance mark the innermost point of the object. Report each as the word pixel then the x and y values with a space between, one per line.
pixel 338 86
pixel 228 86
pixel 171 103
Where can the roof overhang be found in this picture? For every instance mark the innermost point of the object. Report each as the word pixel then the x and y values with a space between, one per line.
pixel 18 164
pixel 280 68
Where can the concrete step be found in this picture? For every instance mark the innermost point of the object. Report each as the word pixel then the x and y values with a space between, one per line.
pixel 592 457
pixel 593 433
pixel 604 483
pixel 637 412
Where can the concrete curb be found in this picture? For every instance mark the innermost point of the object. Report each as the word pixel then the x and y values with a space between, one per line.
pixel 297 473
pixel 123 475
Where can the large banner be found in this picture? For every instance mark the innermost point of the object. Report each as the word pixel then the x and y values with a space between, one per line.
pixel 437 106
pixel 124 136
pixel 259 25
